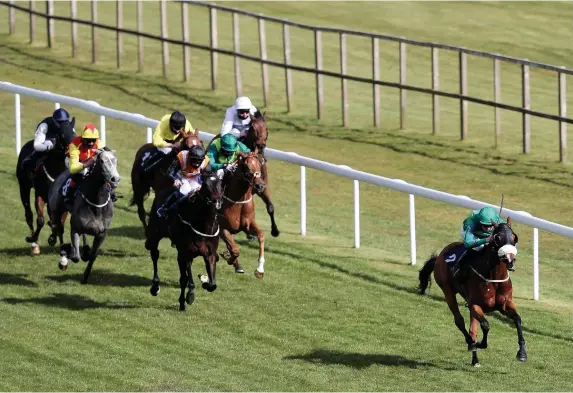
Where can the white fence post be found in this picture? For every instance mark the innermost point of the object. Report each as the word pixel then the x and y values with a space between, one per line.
pixel 102 128
pixel 303 201
pixel 18 124
pixel 356 214
pixel 57 105
pixel 412 230
pixel 149 135
pixel 535 264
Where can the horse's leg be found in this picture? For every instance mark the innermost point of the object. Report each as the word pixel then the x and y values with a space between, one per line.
pixel 25 188
pixel 266 197
pixel 511 312
pixel 254 229
pixel 233 251
pixel 477 317
pixel 211 267
pixel 39 204
pixel 190 284
pixel 85 252
pixel 480 316
pixel 182 262
pixel 98 240
pixel 450 296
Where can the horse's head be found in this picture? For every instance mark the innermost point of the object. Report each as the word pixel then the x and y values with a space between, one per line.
pixel 191 140
pixel 212 189
pixel 258 133
pixel 107 161
pixel 504 241
pixel 65 134
pixel 251 170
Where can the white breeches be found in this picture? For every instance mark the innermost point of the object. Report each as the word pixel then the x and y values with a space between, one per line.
pixel 165 150
pixel 190 185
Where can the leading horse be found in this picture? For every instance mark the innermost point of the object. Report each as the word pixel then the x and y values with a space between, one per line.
pixel 41 179
pixel 194 231
pixel 142 182
pixel 487 288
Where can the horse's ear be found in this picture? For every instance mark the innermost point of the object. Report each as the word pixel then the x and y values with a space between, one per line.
pixel 493 223
pixel 509 221
pixel 73 123
pixel 265 115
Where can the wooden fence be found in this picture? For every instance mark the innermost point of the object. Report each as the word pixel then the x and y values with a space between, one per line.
pixel 318 71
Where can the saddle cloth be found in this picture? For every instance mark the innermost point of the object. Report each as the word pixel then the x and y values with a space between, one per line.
pixel 454 255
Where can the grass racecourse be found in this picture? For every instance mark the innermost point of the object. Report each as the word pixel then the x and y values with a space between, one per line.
pixel 326 317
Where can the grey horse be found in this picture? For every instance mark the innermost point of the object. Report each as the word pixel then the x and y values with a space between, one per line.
pixel 92 210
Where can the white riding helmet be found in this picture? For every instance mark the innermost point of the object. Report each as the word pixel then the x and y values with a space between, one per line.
pixel 243 103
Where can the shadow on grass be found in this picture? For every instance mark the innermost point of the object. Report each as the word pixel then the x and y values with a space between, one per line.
pixel 364 360
pixel 67 301
pixel 505 320
pixel 104 278
pixel 16 279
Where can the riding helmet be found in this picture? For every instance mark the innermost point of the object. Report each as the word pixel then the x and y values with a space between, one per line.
pixel 229 142
pixel 487 215
pixel 177 121
pixel 196 154
pixel 243 103
pixel 90 132
pixel 61 115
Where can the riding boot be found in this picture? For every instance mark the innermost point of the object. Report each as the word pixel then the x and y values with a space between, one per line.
pixel 171 204
pixel 69 196
pixel 152 161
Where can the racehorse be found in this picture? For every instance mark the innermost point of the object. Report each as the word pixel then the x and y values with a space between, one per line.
pixel 194 231
pixel 488 287
pixel 41 178
pixel 256 141
pixel 92 210
pixel 143 182
pixel 238 211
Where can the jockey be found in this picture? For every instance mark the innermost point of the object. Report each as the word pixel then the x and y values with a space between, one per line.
pixel 238 118
pixel 224 151
pixel 168 133
pixel 186 173
pixel 81 156
pixel 46 132
pixel 477 231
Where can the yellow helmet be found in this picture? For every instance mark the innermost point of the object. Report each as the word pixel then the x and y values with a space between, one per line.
pixel 90 132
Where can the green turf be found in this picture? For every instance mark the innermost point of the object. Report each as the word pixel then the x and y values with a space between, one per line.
pixel 326 316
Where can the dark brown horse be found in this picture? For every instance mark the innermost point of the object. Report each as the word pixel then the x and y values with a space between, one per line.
pixel 142 182
pixel 486 289
pixel 40 177
pixel 194 230
pixel 238 211
pixel 256 141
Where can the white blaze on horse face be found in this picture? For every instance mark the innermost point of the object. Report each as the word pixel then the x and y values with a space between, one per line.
pixel 508 251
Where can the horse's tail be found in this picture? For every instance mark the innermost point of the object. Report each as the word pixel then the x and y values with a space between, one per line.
pixel 140 188
pixel 425 273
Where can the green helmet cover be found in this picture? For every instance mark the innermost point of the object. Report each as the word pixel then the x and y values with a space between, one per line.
pixel 229 142
pixel 487 215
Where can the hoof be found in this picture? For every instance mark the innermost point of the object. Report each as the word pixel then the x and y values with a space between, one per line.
pixel 63 267
pixel 75 259
pixel 35 249
pixel 190 298
pixel 52 240
pixel 522 357
pixel 275 232
pixel 182 307
pixel 31 239
pixel 259 274
pixel 84 281
pixel 476 364
pixel 209 288
pixel 239 269
pixel 154 290
pixel 251 237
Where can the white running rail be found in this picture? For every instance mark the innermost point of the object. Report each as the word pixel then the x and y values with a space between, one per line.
pixel 304 162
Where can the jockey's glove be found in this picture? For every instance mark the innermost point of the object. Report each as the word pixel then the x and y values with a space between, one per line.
pixel 88 163
pixel 49 145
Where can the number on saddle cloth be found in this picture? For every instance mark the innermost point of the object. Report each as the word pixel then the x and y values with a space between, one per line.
pixel 66 186
pixel 455 255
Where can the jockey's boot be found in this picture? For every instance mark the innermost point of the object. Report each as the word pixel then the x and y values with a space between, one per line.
pixel 171 204
pixel 151 162
pixel 69 196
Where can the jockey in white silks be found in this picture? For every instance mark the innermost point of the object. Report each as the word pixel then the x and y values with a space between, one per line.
pixel 238 118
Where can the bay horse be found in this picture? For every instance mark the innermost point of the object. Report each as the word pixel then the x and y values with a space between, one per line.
pixel 143 182
pixel 92 210
pixel 41 177
pixel 487 288
pixel 256 141
pixel 194 231
pixel 238 211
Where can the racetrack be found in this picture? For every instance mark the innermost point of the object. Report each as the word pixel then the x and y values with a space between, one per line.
pixel 326 316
